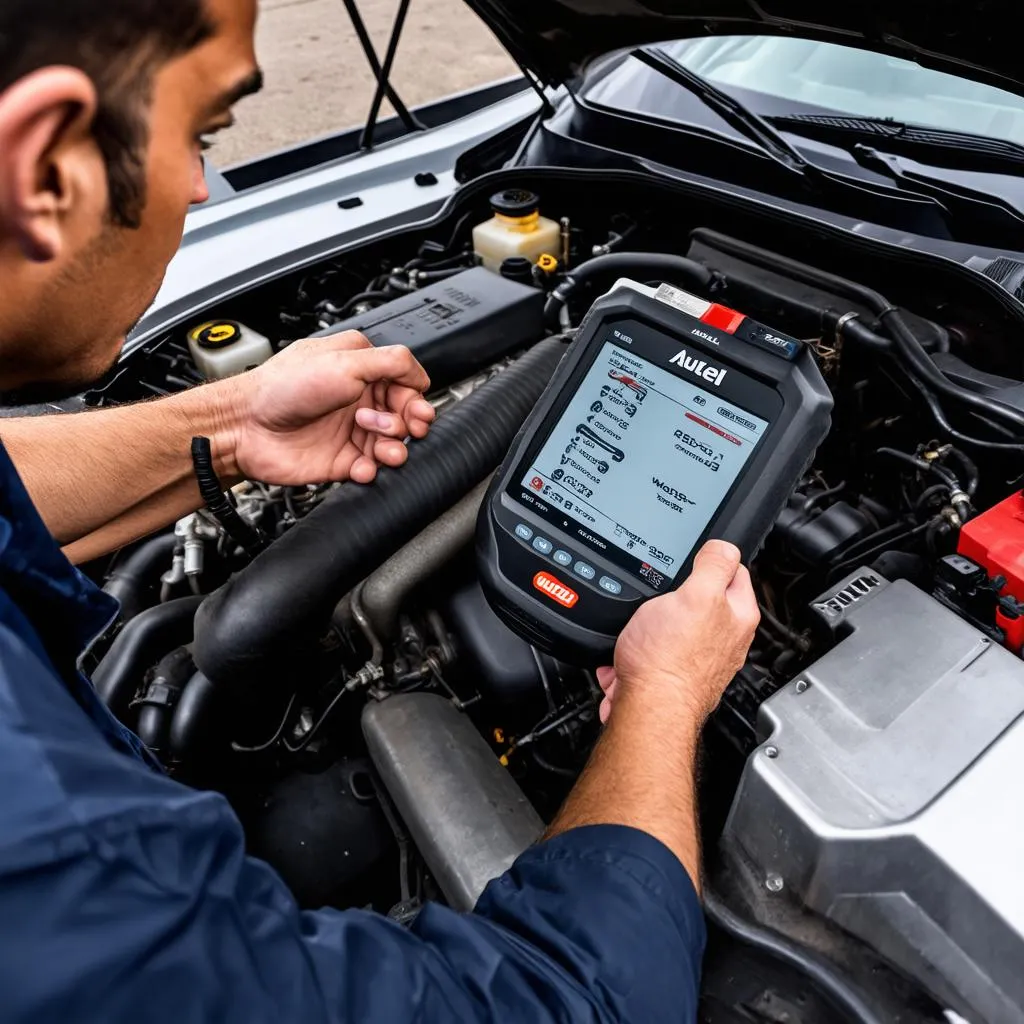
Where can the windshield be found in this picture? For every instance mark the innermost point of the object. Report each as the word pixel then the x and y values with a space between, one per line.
pixel 814 77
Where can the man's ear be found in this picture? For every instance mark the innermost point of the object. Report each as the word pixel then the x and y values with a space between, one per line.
pixel 50 166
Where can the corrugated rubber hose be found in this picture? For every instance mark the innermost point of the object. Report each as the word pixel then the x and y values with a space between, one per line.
pixel 269 616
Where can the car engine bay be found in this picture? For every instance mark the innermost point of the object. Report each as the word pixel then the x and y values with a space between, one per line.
pixel 324 656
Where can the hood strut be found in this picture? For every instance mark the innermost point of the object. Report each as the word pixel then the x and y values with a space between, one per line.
pixel 382 75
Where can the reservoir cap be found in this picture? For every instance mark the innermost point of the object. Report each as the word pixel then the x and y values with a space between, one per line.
pixel 216 333
pixel 515 202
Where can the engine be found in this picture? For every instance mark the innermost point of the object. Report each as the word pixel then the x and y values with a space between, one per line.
pixel 324 655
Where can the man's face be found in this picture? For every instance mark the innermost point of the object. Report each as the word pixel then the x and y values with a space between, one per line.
pixel 81 303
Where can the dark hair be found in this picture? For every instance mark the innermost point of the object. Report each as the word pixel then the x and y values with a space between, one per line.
pixel 119 44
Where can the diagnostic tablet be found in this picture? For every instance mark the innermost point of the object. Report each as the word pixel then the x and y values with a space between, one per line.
pixel 670 420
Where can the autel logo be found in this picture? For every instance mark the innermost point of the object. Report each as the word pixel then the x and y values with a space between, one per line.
pixel 555 589
pixel 699 368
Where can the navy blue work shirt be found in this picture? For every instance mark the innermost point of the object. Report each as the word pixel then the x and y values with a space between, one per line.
pixel 125 896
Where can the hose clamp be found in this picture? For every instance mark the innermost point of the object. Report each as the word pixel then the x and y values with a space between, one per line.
pixel 842 322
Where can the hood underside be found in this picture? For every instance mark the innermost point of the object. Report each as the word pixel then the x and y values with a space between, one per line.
pixel 556 38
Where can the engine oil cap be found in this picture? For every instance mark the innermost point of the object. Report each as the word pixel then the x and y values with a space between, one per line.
pixel 216 333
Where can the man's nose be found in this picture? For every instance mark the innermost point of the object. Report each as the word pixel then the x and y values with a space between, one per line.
pixel 200 190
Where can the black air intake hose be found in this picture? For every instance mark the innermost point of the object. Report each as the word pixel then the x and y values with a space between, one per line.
pixel 271 613
pixel 195 718
pixel 140 644
pixel 136 578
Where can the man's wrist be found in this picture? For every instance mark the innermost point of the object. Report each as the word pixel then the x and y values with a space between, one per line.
pixel 672 696
pixel 217 411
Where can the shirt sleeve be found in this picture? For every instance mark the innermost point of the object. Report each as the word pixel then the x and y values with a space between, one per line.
pixel 162 917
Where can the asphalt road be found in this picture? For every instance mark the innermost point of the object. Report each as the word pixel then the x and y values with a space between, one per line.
pixel 318 81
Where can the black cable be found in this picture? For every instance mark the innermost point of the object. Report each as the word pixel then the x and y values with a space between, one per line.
pixel 777 624
pixel 888 533
pixel 943 423
pixel 907 343
pixel 816 499
pixel 259 748
pixel 813 276
pixel 369 296
pixel 445 263
pixel 400 285
pixel 958 497
pixel 864 556
pixel 921 363
pixel 967 465
pixel 432 276
pixel 644 265
pixel 315 728
pixel 857 332
pixel 922 466
pixel 555 769
pixel 844 995
pixel 249 539
pixel 460 227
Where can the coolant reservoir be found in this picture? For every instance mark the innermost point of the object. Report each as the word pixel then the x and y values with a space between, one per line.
pixel 516 229
pixel 222 348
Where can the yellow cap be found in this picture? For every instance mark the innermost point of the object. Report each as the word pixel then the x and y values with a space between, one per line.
pixel 215 333
pixel 547 263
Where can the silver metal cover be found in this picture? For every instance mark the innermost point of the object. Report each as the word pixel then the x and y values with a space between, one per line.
pixel 887 795
pixel 466 814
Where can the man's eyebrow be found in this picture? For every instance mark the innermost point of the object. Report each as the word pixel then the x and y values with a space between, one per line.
pixel 252 83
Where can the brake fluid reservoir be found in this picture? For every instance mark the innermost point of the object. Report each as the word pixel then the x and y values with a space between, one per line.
pixel 516 229
pixel 222 348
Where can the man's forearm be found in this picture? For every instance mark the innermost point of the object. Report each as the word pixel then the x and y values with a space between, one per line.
pixel 642 773
pixel 101 479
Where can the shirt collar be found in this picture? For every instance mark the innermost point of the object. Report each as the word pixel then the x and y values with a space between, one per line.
pixel 65 608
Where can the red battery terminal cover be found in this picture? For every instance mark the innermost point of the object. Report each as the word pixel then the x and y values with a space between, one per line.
pixel 995 539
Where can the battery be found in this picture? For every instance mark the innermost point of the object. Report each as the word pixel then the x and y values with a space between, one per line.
pixel 995 539
pixel 457 326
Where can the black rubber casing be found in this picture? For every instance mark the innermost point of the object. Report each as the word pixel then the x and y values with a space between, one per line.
pixel 789 392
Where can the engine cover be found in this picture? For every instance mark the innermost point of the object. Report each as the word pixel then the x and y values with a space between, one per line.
pixel 885 794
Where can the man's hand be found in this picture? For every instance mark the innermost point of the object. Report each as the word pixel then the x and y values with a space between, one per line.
pixel 324 409
pixel 692 641
pixel 673 661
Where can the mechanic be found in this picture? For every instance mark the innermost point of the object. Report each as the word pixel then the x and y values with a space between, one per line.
pixel 123 894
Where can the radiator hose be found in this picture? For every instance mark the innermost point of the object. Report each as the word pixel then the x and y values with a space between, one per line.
pixel 269 616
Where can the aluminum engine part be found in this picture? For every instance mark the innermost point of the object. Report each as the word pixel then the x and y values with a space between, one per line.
pixel 884 794
pixel 464 811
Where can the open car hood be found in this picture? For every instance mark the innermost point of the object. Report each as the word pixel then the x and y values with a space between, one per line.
pixel 556 38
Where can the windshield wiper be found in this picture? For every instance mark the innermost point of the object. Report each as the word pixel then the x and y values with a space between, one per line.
pixel 1002 223
pixel 953 149
pixel 965 211
pixel 749 124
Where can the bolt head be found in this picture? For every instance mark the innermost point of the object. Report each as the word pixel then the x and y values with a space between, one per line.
pixel 801 685
pixel 771 751
pixel 774 882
